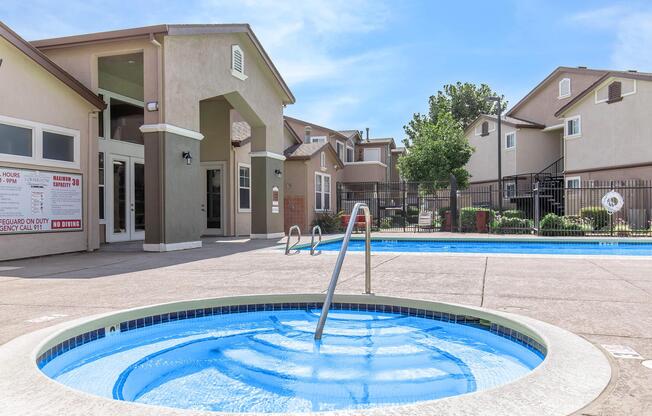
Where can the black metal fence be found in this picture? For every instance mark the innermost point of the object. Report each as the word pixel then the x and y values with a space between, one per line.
pixel 546 208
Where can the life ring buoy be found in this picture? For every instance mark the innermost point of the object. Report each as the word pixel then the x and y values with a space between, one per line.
pixel 612 201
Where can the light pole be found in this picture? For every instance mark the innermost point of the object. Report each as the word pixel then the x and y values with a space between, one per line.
pixel 500 163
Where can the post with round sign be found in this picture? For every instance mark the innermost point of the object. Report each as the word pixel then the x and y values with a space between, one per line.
pixel 613 202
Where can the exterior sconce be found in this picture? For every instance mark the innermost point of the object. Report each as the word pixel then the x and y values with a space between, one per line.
pixel 152 106
pixel 278 173
pixel 188 157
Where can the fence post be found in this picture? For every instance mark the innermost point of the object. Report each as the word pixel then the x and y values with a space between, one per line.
pixel 403 193
pixel 611 216
pixel 378 205
pixel 537 208
pixel 453 203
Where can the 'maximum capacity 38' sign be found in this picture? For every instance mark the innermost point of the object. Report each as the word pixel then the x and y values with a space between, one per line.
pixel 35 201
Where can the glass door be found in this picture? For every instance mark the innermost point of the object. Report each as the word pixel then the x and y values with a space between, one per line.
pixel 213 181
pixel 137 203
pixel 127 199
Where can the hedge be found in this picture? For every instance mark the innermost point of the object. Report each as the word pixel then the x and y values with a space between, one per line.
pixel 597 215
pixel 468 217
pixel 513 225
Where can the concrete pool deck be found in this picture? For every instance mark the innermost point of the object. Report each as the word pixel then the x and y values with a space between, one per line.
pixel 605 300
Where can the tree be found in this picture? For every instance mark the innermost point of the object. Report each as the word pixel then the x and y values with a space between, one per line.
pixel 464 101
pixel 436 151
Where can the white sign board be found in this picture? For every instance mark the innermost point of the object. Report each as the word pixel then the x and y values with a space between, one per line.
pixel 37 201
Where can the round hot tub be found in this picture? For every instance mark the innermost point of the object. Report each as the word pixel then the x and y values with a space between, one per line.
pixel 257 354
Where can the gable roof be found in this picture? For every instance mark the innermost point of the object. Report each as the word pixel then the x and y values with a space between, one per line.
pixel 306 151
pixel 172 30
pixel 293 133
pixel 380 140
pixel 55 70
pixel 611 74
pixel 351 134
pixel 506 120
pixel 548 79
pixel 305 123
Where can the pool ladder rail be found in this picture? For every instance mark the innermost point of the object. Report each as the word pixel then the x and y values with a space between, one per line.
pixel 340 260
pixel 316 231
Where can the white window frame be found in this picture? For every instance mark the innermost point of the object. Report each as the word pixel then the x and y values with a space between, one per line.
pixel 323 192
pixel 340 145
pixel 374 149
pixel 569 179
pixel 107 95
pixel 506 190
pixel 318 139
pixel 579 127
pixel 238 74
pixel 561 94
pixel 352 149
pixel 513 146
pixel 37 144
pixel 248 166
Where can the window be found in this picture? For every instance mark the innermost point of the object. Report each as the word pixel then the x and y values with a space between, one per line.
pixel 564 88
pixel 237 62
pixel 322 192
pixel 15 140
pixel 245 188
pixel 58 147
pixel 341 150
pixel 510 140
pixel 573 127
pixel 39 144
pixel 372 154
pixel 322 160
pixel 306 134
pixel 349 154
pixel 126 119
pixel 100 165
pixel 510 190
pixel 318 139
pixel 573 182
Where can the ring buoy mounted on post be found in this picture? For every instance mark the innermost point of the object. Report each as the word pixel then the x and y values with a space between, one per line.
pixel 613 202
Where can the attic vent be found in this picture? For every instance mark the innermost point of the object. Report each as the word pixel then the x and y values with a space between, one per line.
pixel 306 134
pixel 237 62
pixel 564 88
pixel 485 128
pixel 615 92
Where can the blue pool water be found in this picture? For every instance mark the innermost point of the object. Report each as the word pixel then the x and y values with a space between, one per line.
pixel 511 247
pixel 269 362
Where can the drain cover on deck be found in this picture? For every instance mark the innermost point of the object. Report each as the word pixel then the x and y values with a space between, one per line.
pixel 622 351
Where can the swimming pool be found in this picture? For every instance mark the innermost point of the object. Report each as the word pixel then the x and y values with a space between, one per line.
pixel 615 248
pixel 262 358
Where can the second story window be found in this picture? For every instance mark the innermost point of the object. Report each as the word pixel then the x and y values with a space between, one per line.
pixel 306 134
pixel 564 88
pixel 510 140
pixel 322 160
pixel 349 154
pixel 341 150
pixel 573 127
pixel 372 154
pixel 237 62
pixel 245 188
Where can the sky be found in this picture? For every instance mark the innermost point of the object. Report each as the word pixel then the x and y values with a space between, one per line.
pixel 353 64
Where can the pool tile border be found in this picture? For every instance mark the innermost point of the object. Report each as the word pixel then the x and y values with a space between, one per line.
pixel 125 326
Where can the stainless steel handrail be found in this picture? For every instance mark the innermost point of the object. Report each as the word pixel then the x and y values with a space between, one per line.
pixel 313 246
pixel 287 243
pixel 340 260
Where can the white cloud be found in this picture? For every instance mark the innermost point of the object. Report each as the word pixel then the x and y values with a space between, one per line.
pixel 633 34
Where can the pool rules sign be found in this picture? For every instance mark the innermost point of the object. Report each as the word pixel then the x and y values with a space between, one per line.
pixel 37 201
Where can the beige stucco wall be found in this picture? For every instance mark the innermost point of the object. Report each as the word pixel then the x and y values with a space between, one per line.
pixel 81 62
pixel 535 150
pixel 612 134
pixel 542 106
pixel 364 172
pixel 31 93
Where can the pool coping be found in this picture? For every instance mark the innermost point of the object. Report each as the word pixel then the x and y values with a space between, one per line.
pixel 573 373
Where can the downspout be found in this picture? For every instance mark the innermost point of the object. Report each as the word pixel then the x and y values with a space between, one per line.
pixel 232 194
pixel 159 74
pixel 92 142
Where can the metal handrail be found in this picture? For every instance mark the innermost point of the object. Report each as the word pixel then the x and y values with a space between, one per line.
pixel 287 243
pixel 313 246
pixel 340 260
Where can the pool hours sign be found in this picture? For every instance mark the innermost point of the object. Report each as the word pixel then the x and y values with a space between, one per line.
pixel 37 201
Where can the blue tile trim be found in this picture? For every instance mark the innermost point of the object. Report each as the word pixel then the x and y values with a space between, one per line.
pixel 125 326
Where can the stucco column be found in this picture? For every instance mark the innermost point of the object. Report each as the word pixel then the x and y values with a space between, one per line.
pixel 172 188
pixel 266 186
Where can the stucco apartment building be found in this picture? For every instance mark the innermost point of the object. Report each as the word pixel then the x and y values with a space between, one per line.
pixel 317 158
pixel 157 133
pixel 583 124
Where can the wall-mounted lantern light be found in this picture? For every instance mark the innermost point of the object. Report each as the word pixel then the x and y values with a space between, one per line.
pixel 152 106
pixel 188 157
pixel 278 173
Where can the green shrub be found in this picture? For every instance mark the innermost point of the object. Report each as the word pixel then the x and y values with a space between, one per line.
pixel 507 225
pixel 329 222
pixel 597 215
pixel 412 211
pixel 468 217
pixel 513 213
pixel 386 223
pixel 442 212
pixel 551 224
